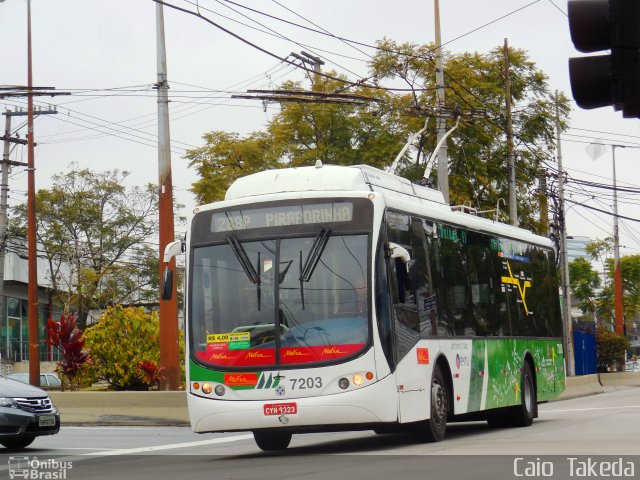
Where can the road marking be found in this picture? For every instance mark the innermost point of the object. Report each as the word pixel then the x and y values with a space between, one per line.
pixel 589 409
pixel 171 446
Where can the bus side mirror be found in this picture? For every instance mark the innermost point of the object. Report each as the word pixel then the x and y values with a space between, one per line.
pixel 167 283
pixel 171 250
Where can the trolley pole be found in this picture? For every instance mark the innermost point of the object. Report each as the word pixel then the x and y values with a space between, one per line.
pixel 169 349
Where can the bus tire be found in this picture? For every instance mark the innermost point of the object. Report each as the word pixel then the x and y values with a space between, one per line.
pixel 523 415
pixel 270 441
pixel 434 428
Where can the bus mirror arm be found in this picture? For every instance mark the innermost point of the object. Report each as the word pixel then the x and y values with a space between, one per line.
pixel 173 249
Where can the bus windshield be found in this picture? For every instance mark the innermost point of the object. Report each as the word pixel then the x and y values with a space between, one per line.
pixel 281 301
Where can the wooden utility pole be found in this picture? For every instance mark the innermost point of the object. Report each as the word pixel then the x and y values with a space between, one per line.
pixel 511 166
pixel 32 260
pixel 169 347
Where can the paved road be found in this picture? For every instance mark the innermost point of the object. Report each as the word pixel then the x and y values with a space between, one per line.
pixel 606 424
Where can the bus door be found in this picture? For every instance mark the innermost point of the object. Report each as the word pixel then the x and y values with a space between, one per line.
pixel 412 377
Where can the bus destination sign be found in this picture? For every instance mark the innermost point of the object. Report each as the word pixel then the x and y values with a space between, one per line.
pixel 282 216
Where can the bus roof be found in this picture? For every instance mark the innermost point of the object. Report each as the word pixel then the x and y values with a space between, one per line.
pixel 398 192
pixel 329 178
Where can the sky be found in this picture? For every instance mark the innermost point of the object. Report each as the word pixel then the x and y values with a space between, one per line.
pixel 104 53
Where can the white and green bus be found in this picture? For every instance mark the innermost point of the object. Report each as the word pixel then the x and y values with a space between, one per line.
pixel 345 298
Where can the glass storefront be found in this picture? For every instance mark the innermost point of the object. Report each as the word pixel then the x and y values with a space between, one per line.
pixel 14 332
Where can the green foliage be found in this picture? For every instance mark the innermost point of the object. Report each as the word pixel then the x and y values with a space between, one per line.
pixel 630 270
pixel 92 228
pixel 300 134
pixel 610 348
pixel 373 134
pixel 122 339
pixel 68 340
pixel 583 281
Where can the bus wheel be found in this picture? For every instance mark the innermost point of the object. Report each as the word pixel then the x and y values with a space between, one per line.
pixel 523 415
pixel 269 441
pixel 433 429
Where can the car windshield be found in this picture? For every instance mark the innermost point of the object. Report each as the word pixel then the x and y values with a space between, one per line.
pixel 280 301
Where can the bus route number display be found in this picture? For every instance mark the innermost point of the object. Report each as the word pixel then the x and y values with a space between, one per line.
pixel 282 216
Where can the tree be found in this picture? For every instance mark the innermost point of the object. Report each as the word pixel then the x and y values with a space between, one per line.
pixel 373 134
pixel 600 250
pixel 477 149
pixel 300 134
pixel 583 281
pixel 90 226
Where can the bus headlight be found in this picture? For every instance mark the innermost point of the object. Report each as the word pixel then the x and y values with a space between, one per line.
pixel 343 383
pixel 220 391
pixel 358 379
pixel 206 388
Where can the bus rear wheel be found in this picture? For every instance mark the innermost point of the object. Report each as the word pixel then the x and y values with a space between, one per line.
pixel 523 415
pixel 434 428
pixel 270 441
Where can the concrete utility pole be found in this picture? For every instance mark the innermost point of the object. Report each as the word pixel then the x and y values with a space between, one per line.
pixel 617 272
pixel 4 188
pixel 511 165
pixel 564 262
pixel 169 347
pixel 441 123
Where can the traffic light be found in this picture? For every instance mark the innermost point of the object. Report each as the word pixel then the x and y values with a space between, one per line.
pixel 603 80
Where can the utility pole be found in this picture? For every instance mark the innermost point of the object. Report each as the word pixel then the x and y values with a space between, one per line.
pixel 564 263
pixel 32 260
pixel 544 204
pixel 617 272
pixel 441 122
pixel 169 348
pixel 314 61
pixel 4 188
pixel 511 166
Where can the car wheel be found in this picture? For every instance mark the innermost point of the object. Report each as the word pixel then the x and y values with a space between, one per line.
pixel 17 443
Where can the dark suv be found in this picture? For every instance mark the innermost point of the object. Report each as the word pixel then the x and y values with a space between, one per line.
pixel 26 412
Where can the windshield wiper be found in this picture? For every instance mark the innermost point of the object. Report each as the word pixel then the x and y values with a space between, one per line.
pixel 314 254
pixel 244 260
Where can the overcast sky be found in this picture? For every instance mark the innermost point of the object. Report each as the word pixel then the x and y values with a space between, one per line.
pixel 104 52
